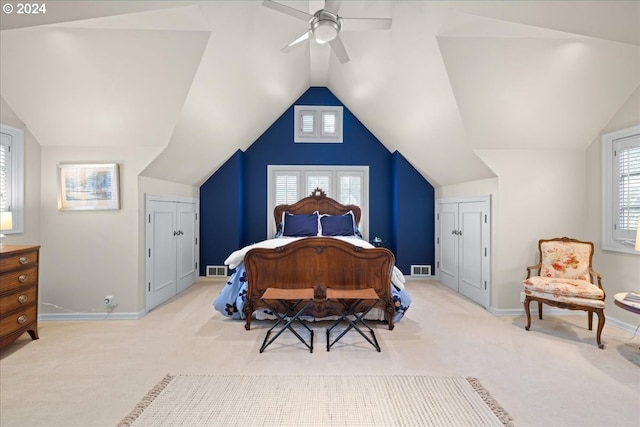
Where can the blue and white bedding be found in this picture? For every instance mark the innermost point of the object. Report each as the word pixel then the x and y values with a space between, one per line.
pixel 230 301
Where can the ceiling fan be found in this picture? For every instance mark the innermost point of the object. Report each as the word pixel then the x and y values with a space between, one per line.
pixel 325 26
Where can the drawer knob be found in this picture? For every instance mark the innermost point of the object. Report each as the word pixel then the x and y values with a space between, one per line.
pixel 23 260
pixel 22 319
pixel 22 299
pixel 22 278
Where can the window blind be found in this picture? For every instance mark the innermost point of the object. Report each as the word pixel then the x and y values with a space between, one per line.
pixel 627 165
pixel 5 173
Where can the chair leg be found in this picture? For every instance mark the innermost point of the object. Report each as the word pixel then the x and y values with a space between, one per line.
pixel 590 317
pixel 600 313
pixel 527 301
pixel 539 310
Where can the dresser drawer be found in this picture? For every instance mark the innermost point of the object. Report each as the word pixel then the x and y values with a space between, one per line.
pixel 18 320
pixel 18 278
pixel 23 259
pixel 18 299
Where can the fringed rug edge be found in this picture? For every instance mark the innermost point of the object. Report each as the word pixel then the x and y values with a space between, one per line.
pixel 495 407
pixel 146 401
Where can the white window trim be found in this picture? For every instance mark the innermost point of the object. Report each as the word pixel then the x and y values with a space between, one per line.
pixel 17 178
pixel 317 135
pixel 336 171
pixel 609 242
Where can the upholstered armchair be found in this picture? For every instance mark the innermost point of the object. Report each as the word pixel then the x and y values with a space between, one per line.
pixel 564 278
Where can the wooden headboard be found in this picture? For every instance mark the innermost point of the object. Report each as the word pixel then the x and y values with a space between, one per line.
pixel 317 201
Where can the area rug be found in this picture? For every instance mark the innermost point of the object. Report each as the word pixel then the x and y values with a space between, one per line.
pixel 296 400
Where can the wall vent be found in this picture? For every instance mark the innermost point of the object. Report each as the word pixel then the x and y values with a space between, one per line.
pixel 216 271
pixel 421 270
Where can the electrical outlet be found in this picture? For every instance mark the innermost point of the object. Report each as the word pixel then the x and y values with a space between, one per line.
pixel 109 301
pixel 521 296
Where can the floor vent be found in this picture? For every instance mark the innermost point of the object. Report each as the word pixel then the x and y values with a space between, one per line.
pixel 216 271
pixel 421 270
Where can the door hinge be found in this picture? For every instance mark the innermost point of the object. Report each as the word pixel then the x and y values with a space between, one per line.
pixel 149 218
pixel 438 264
pixel 485 251
pixel 149 252
pixel 149 286
pixel 485 285
pixel 485 218
pixel 437 241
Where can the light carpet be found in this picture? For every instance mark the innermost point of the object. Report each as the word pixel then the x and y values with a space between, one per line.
pixel 349 400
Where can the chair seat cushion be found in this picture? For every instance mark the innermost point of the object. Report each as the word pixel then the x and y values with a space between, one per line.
pixel 562 287
pixel 585 302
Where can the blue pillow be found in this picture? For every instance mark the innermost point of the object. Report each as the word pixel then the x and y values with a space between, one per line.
pixel 300 225
pixel 337 225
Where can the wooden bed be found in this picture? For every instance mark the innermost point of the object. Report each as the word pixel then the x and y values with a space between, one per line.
pixel 318 263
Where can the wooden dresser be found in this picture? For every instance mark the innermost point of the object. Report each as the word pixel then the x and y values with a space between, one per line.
pixel 18 292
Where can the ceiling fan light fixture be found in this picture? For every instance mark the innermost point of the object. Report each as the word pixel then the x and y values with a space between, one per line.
pixel 325 30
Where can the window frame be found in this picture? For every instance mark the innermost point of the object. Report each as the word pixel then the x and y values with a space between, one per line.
pixel 318 134
pixel 303 172
pixel 16 177
pixel 611 193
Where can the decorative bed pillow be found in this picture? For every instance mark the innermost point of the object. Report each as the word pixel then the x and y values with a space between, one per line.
pixel 337 225
pixel 300 225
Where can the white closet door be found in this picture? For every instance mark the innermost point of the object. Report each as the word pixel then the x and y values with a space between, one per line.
pixel 161 250
pixel 463 248
pixel 471 282
pixel 186 247
pixel 171 252
pixel 448 226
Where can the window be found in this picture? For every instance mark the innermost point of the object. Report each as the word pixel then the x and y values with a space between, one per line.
pixel 317 124
pixel 347 184
pixel 621 189
pixel 12 176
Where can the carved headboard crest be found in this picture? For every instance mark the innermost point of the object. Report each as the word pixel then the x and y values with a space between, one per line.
pixel 318 193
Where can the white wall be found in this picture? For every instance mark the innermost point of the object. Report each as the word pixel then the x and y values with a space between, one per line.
pixel 620 271
pixel 551 193
pixel 87 255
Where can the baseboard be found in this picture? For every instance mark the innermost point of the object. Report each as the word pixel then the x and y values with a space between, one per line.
pixel 551 311
pixel 408 277
pixel 90 316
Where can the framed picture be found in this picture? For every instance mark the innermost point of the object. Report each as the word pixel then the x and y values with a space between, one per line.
pixel 88 186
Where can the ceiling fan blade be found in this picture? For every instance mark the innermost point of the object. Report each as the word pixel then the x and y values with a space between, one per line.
pixel 332 6
pixel 297 42
pixel 338 48
pixel 287 10
pixel 365 24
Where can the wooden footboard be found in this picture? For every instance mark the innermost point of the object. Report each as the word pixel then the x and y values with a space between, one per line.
pixel 319 263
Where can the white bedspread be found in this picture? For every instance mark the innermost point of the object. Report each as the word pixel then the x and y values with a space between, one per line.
pixel 237 257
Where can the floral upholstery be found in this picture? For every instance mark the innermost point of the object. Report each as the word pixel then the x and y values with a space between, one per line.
pixel 564 287
pixel 595 303
pixel 564 273
pixel 568 260
pixel 565 279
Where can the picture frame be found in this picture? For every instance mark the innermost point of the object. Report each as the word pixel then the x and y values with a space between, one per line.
pixel 88 186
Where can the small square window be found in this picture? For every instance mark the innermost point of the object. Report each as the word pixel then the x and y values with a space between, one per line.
pixel 317 124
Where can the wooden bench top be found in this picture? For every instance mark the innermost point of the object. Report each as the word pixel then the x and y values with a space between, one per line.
pixel 288 294
pixel 367 293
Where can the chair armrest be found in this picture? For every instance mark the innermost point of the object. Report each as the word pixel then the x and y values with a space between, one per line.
pixel 597 276
pixel 533 267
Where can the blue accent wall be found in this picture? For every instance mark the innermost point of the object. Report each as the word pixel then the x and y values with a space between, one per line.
pixel 222 213
pixel 233 201
pixel 412 217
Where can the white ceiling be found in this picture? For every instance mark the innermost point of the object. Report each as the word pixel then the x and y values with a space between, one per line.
pixel 204 79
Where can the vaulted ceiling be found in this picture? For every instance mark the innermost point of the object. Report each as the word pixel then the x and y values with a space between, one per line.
pixel 204 79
